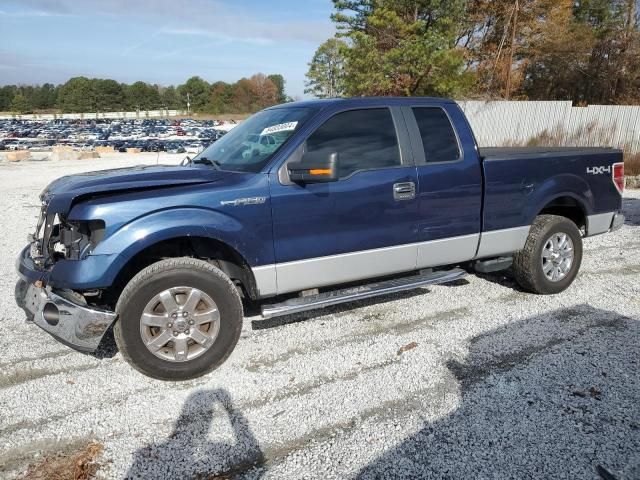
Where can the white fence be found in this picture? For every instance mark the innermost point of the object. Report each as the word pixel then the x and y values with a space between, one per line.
pixel 92 116
pixel 500 123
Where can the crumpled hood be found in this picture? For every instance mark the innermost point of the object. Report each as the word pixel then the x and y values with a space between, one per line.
pixel 61 193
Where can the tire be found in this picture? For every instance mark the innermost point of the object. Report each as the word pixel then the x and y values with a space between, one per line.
pixel 528 263
pixel 213 292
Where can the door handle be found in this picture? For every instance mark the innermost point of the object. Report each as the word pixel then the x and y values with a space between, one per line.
pixel 404 191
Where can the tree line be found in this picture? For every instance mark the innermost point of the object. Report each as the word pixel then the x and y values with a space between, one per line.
pixel 82 94
pixel 586 51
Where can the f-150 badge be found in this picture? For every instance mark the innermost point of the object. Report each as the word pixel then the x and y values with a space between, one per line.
pixel 244 201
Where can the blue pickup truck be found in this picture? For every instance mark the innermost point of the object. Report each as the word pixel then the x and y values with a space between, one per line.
pixel 348 198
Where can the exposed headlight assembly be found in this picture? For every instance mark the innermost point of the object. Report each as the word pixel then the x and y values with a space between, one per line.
pixel 76 239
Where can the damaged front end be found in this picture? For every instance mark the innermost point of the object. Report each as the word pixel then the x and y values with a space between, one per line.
pixel 63 313
pixel 57 238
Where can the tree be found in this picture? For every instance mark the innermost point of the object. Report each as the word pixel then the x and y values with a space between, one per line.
pixel 44 97
pixel 401 47
pixel 198 93
pixel 109 95
pixel 142 96
pixel 82 94
pixel 6 97
pixel 242 96
pixel 613 73
pixel 264 92
pixel 325 78
pixel 169 98
pixel 278 81
pixel 20 103
pixel 556 64
pixel 77 95
pixel 220 97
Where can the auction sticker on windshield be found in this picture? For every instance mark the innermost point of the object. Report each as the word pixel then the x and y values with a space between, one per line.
pixel 281 127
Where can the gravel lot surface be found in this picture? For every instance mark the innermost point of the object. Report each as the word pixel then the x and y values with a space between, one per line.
pixel 498 384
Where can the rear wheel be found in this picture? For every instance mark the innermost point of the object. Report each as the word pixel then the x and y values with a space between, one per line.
pixel 551 257
pixel 178 319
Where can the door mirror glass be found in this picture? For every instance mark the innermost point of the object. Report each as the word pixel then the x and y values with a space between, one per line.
pixel 314 168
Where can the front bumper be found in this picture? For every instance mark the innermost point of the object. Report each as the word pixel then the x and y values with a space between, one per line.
pixel 80 327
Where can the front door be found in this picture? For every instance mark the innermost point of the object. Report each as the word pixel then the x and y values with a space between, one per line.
pixel 363 225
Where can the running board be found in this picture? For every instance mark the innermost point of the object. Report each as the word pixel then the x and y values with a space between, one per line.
pixel 325 299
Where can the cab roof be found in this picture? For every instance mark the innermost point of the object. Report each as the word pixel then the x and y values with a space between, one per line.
pixel 366 101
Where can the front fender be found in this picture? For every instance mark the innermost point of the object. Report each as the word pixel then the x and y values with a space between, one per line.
pixel 251 240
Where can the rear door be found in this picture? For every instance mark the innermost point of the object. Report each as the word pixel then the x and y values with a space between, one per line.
pixel 449 192
pixel 361 226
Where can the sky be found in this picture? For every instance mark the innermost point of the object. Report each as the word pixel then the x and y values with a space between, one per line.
pixel 160 41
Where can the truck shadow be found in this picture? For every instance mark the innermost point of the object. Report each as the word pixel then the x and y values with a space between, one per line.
pixel 188 452
pixel 503 277
pixel 551 396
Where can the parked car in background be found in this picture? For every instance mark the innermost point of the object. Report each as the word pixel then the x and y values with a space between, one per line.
pixel 193 148
pixel 175 147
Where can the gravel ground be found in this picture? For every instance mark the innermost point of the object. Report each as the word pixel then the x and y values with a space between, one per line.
pixel 498 384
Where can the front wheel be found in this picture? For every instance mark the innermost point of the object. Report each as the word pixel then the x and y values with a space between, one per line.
pixel 178 319
pixel 551 257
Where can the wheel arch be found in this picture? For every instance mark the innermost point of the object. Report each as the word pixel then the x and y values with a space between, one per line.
pixel 567 205
pixel 210 249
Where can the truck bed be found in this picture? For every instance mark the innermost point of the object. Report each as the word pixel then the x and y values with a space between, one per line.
pixel 519 180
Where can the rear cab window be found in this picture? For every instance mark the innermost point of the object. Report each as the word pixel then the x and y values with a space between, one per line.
pixel 364 139
pixel 439 139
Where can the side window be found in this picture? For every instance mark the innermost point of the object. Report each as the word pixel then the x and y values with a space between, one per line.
pixel 438 137
pixel 363 139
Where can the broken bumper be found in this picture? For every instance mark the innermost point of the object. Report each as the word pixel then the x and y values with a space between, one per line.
pixel 80 327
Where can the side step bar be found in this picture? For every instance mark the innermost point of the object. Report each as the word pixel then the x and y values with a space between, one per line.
pixel 325 299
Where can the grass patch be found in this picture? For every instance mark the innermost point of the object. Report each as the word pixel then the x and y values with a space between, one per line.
pixel 632 164
pixel 74 465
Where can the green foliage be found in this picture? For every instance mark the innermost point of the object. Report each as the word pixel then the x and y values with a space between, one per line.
pixel 109 95
pixel 169 98
pixel 587 51
pixel 278 81
pixel 77 95
pixel 44 97
pixel 20 104
pixel 325 78
pixel 395 47
pixel 6 97
pixel 82 94
pixel 142 96
pixel 196 92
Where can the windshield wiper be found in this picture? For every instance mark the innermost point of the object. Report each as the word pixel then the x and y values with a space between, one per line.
pixel 207 161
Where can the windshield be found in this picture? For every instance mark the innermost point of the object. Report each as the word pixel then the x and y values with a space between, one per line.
pixel 249 146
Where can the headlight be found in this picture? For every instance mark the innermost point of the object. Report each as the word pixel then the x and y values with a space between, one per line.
pixel 76 239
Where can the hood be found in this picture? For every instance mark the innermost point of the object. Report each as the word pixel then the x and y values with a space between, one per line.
pixel 61 193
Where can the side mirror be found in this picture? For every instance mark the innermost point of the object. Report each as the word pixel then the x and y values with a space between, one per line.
pixel 314 168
